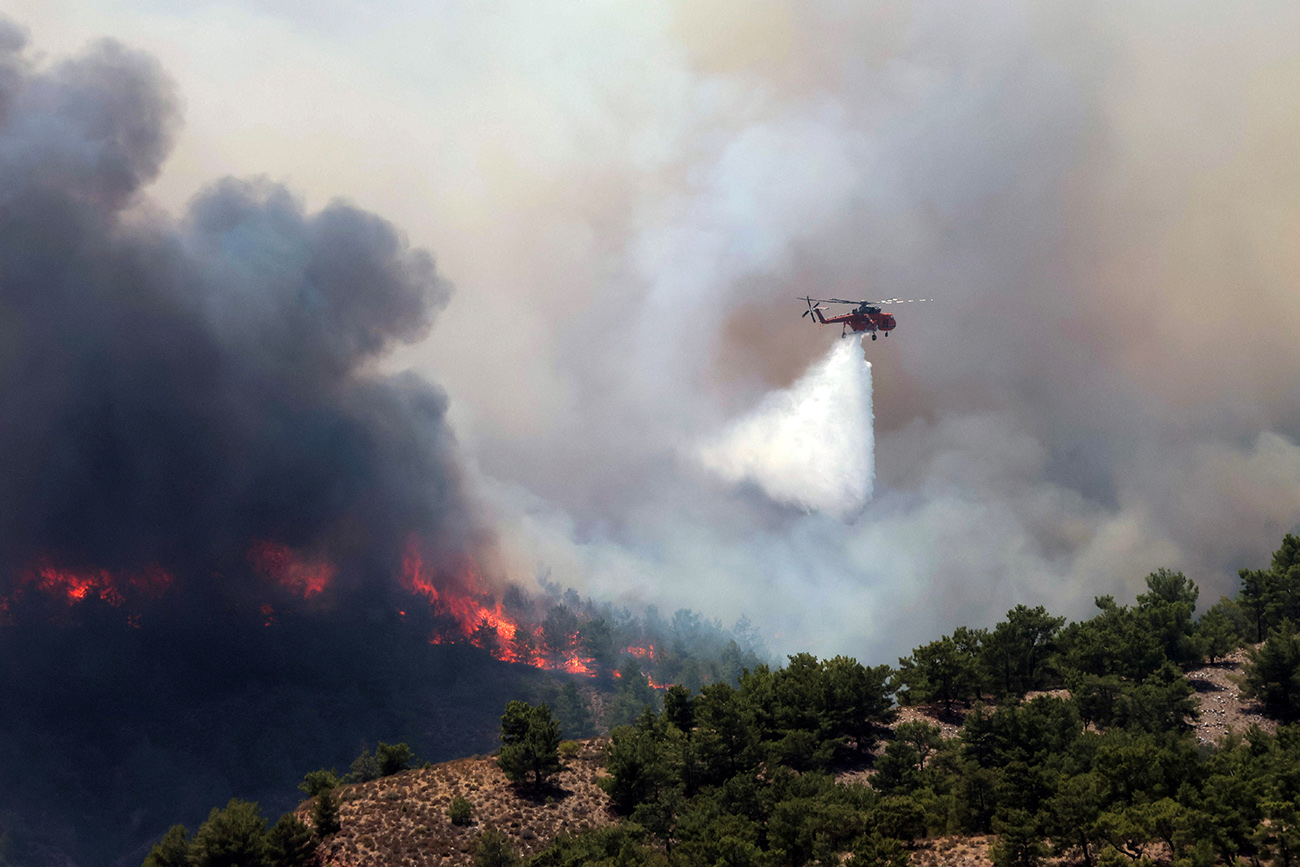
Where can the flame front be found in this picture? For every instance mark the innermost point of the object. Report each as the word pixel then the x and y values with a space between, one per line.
pixel 467 611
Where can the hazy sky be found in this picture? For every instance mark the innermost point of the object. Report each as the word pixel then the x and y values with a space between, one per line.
pixel 1104 199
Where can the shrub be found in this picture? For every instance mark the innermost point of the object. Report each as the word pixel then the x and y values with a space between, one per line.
pixel 460 811
pixel 493 849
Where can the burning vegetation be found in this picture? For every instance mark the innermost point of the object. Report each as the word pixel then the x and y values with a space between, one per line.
pixel 555 631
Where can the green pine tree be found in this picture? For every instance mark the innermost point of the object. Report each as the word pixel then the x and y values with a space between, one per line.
pixel 530 744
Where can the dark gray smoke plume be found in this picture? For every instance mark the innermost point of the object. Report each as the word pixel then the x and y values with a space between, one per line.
pixel 191 437
pixel 174 392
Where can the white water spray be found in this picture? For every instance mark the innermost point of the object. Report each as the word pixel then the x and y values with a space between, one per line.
pixel 811 445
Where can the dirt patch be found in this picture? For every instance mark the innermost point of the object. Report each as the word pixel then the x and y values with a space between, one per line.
pixel 1223 707
pixel 953 852
pixel 949 723
pixel 402 819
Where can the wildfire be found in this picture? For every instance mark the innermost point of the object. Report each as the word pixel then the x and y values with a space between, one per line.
pixel 572 661
pixel 279 563
pixel 483 622
pixel 484 626
pixel 654 684
pixel 77 585
pixel 465 608
pixel 74 586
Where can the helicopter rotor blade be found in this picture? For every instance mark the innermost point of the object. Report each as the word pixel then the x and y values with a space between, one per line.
pixel 820 301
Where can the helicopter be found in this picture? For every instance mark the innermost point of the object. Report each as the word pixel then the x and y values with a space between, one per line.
pixel 866 316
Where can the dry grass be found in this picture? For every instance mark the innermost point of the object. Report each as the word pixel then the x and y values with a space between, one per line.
pixel 402 819
pixel 953 852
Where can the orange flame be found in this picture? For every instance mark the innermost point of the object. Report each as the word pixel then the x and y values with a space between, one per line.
pixel 571 660
pixel 74 586
pixel 482 625
pixel 279 563
pixel 482 620
pixel 77 585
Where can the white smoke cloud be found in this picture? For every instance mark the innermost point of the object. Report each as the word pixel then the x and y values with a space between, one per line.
pixel 810 445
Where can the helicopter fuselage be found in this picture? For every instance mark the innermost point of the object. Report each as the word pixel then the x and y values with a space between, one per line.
pixel 863 320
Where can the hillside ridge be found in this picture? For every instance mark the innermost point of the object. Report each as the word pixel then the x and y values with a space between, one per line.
pixel 403 820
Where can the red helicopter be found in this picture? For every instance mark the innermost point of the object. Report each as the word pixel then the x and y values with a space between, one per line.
pixel 866 316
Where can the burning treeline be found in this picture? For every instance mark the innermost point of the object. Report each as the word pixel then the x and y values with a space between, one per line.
pixel 453 605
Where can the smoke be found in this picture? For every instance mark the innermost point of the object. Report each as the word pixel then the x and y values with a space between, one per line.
pixel 1100 197
pixel 198 447
pixel 810 445
pixel 179 390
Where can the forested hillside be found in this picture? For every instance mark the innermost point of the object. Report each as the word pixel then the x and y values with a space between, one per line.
pixel 1071 741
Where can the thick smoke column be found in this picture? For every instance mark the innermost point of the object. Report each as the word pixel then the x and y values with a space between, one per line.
pixel 810 445
pixel 176 392
pixel 214 509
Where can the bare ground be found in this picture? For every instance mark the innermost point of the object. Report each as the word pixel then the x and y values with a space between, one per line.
pixel 1223 708
pixel 953 852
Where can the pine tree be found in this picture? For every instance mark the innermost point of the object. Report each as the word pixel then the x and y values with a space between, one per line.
pixel 173 850
pixel 289 843
pixel 530 738
pixel 325 814
pixel 235 835
pixel 1273 673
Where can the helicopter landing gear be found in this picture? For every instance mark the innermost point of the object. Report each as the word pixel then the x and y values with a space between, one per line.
pixel 873 337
